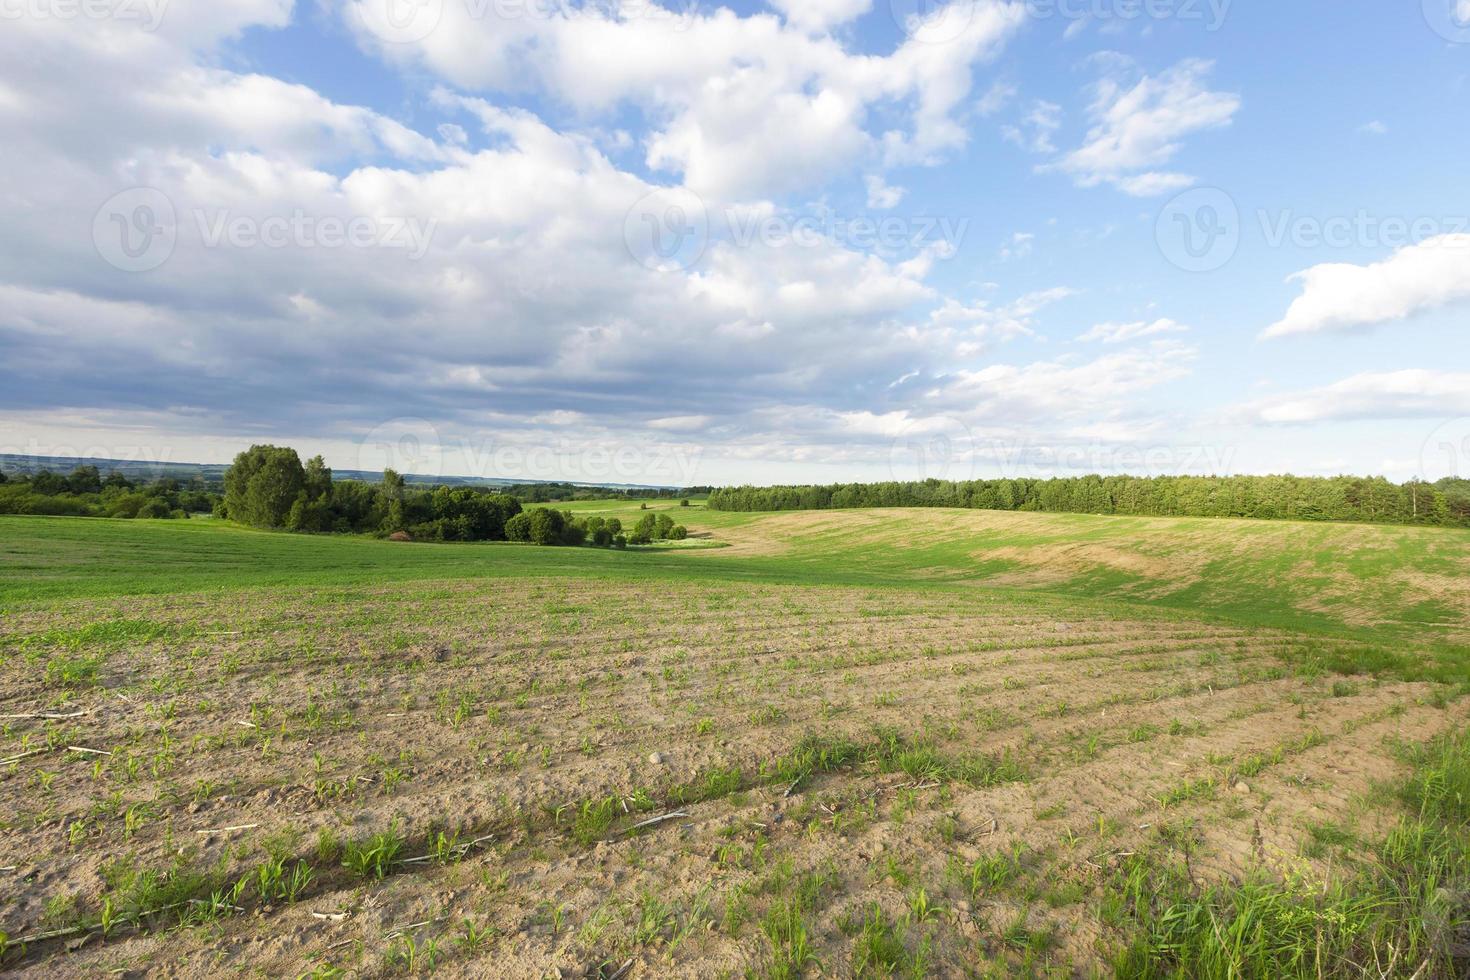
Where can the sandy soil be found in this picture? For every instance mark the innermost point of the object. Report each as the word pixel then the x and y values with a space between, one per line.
pixel 283 722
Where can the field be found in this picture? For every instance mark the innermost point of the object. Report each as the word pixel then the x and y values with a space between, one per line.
pixel 869 743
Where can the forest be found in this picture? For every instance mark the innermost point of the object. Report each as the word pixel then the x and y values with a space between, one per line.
pixel 1362 499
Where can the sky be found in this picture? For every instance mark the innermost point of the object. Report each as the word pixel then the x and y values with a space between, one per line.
pixel 688 243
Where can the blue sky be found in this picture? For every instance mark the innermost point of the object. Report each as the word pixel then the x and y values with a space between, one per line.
pixel 699 243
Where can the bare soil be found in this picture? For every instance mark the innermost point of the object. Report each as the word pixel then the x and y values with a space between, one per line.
pixel 497 710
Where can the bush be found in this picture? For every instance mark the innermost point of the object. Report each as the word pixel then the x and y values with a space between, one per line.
pixel 518 528
pixel 602 537
pixel 155 510
pixel 548 527
pixel 679 533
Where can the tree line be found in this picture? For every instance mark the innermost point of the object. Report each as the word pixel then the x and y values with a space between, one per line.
pixel 1344 498
pixel 86 492
pixel 269 487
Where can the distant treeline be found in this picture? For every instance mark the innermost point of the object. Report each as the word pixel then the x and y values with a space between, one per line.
pixel 87 493
pixel 547 493
pixel 1343 498
pixel 269 487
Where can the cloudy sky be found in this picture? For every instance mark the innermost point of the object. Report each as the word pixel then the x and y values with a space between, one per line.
pixel 685 242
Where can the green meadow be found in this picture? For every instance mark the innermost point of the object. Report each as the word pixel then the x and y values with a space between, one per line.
pixel 868 743
pixel 1390 584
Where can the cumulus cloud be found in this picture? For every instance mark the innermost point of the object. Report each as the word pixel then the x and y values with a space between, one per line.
pixel 524 318
pixel 1371 395
pixel 746 107
pixel 821 15
pixel 1340 296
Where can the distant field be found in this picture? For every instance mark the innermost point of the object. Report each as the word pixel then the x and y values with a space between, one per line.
pixel 877 743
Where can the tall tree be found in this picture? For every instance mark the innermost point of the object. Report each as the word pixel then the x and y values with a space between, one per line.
pixel 262 485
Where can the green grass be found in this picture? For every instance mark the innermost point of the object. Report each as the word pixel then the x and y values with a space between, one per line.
pixel 1335 581
pixel 1397 914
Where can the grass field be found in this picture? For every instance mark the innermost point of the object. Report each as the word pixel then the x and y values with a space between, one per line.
pixel 867 743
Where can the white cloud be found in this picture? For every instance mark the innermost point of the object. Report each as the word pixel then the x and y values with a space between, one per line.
pixel 1139 126
pixel 1037 128
pixel 882 197
pixel 1382 395
pixel 821 15
pixel 1415 279
pixel 1117 333
pixel 1022 244
pixel 680 423
pixel 744 107
pixel 1376 127
pixel 1061 391
pixel 970 330
pixel 996 98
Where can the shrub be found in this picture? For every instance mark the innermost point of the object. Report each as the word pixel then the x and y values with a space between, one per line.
pixel 518 528
pixel 548 527
pixel 155 510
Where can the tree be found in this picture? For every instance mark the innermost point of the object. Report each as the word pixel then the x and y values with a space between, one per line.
pixel 318 479
pixel 3 477
pixel 518 528
pixel 262 485
pixel 678 533
pixel 548 527
pixel 48 483
pixel 155 509
pixel 391 495
pixel 84 479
